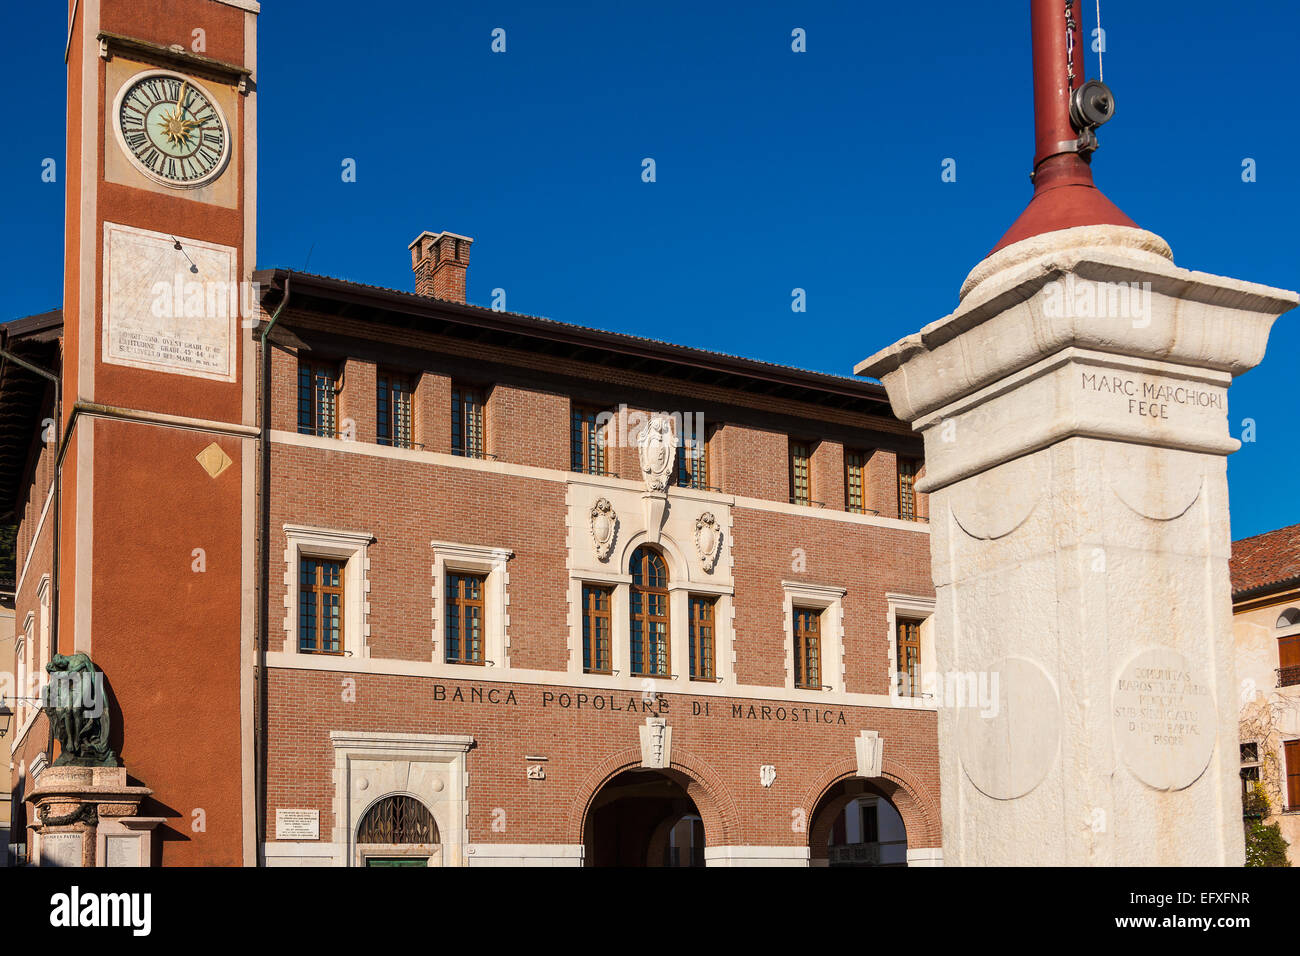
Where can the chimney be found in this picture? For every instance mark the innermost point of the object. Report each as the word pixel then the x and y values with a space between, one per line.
pixel 440 263
pixel 1064 124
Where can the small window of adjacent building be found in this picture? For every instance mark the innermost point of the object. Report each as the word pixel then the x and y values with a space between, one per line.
pixel 393 410
pixel 467 433
pixel 649 613
pixel 464 612
pixel 800 473
pixel 318 390
pixel 320 606
pixel 587 442
pixel 807 648
pixel 855 499
pixel 1288 660
pixel 909 658
pixel 907 468
pixel 596 629
pixel 1249 775
pixel 693 463
pixel 1292 750
pixel 870 823
pixel 701 651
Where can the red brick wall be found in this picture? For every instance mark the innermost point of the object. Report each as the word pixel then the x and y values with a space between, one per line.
pixel 528 426
pixel 307 705
pixel 827 473
pixel 868 561
pixel 406 505
pixel 753 462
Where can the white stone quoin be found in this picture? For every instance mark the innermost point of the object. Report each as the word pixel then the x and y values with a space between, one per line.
pixel 1074 412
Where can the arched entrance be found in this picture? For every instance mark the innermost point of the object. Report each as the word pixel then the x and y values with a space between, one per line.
pixel 644 818
pixel 398 830
pixel 856 824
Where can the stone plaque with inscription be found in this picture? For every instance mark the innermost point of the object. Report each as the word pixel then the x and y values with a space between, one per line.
pixel 297 824
pixel 170 309
pixel 122 850
pixel 61 849
pixel 1164 719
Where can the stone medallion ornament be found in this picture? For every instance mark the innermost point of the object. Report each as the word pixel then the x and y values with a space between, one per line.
pixel 657 445
pixel 707 538
pixel 604 527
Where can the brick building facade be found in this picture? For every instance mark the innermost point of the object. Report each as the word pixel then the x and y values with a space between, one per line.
pixel 403 516
pixel 455 585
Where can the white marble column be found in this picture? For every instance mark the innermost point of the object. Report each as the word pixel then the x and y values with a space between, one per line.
pixel 1074 411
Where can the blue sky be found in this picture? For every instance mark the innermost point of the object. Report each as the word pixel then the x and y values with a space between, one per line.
pixel 774 170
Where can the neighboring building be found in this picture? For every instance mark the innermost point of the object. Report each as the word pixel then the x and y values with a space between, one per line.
pixel 1266 628
pixel 28 407
pixel 446 584
pixel 6 703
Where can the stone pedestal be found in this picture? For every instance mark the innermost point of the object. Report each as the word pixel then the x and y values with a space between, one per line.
pixel 86 816
pixel 1074 411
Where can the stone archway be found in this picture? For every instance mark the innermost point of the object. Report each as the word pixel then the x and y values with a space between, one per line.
pixel 698 783
pixel 839 785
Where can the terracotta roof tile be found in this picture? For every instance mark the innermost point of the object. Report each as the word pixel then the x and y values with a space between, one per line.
pixel 1269 558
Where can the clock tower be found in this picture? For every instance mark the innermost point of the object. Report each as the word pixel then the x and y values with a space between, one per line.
pixel 158 415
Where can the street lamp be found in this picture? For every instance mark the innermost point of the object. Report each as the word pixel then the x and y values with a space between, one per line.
pixel 6 715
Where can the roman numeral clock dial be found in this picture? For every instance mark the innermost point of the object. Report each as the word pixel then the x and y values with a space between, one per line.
pixel 172 129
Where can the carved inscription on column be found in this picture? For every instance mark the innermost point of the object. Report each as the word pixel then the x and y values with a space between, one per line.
pixel 1164 719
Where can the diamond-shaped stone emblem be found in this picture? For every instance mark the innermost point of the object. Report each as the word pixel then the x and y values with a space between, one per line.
pixel 213 460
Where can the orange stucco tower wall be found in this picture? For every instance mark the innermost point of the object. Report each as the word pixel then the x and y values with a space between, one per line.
pixel 156 530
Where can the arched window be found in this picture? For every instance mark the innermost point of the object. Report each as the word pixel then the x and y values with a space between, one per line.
pixel 398 820
pixel 1288 649
pixel 649 611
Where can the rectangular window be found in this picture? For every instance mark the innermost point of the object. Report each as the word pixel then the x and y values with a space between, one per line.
pixel 702 609
pixel 1288 659
pixel 596 630
pixel 318 391
pixel 909 658
pixel 320 606
pixel 693 463
pixel 800 482
pixel 464 613
pixel 1292 750
pixel 807 648
pixel 587 442
pixel 855 500
pixel 907 489
pixel 467 435
pixel 393 409
pixel 870 823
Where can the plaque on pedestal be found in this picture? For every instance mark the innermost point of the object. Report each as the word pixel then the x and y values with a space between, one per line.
pixel 62 849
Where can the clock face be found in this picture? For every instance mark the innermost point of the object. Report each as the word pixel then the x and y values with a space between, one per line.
pixel 172 129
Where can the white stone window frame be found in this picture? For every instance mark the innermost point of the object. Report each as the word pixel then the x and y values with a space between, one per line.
pixel 679 607
pixel 910 607
pixel 350 547
pixel 23 647
pixel 474 559
pixel 829 599
pixel 43 633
